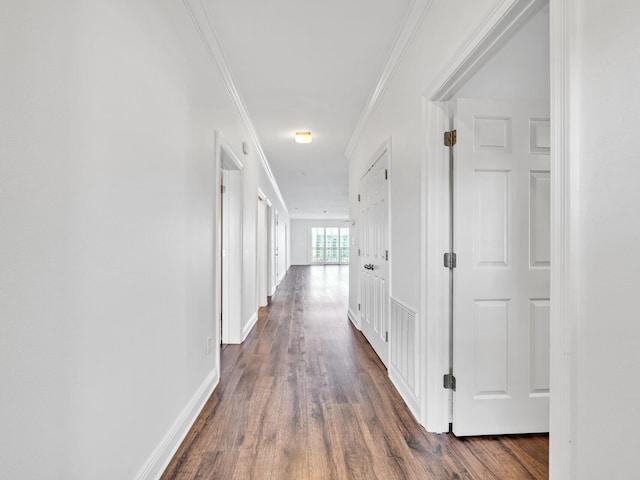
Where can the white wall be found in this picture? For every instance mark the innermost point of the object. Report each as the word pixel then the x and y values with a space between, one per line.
pixel 107 199
pixel 603 328
pixel 399 117
pixel 301 238
pixel 520 69
pixel 604 166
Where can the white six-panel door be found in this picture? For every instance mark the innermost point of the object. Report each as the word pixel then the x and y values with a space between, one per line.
pixel 374 271
pixel 501 282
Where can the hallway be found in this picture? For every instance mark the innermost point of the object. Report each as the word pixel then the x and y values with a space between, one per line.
pixel 306 397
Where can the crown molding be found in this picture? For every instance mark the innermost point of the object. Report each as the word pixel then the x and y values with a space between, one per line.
pixel 409 27
pixel 202 22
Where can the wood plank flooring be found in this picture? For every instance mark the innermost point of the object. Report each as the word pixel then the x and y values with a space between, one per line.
pixel 305 397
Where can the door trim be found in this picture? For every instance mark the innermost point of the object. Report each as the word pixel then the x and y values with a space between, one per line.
pixel 262 251
pixel 384 148
pixel 563 217
pixel 227 160
pixel 508 16
pixel 494 32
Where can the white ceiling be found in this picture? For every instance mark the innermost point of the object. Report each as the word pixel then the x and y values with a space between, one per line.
pixel 307 65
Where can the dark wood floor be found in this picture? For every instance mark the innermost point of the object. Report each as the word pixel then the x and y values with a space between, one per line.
pixel 305 397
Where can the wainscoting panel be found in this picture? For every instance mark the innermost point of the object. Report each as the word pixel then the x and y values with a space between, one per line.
pixel 403 367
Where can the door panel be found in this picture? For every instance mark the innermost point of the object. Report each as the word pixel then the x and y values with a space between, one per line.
pixel 374 277
pixel 501 282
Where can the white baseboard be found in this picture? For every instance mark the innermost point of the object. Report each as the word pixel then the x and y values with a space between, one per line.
pixel 249 326
pixel 166 449
pixel 409 397
pixel 354 318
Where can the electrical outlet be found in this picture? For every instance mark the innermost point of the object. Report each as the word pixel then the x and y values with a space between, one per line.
pixel 209 345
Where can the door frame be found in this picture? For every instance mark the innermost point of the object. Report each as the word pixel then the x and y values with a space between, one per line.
pixel 271 250
pixel 230 277
pixel 496 30
pixel 276 273
pixel 262 250
pixel 384 148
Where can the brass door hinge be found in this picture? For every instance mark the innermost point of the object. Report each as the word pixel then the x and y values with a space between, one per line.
pixel 450 138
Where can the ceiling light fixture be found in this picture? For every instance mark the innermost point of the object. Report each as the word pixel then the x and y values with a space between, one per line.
pixel 303 137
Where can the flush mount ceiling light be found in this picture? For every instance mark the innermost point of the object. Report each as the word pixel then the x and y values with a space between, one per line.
pixel 303 137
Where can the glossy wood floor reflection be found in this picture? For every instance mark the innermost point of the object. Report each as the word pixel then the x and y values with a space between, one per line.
pixel 305 397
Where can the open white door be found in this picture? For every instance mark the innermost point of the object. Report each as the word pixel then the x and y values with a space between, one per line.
pixel 374 265
pixel 501 281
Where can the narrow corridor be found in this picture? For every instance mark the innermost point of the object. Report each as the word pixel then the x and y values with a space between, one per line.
pixel 305 397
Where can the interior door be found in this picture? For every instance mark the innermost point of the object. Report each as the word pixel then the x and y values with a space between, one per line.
pixel 374 270
pixel 501 281
pixel 224 261
pixel 276 264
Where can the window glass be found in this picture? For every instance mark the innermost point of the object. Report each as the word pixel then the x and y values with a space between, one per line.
pixel 344 245
pixel 317 245
pixel 332 238
pixel 329 245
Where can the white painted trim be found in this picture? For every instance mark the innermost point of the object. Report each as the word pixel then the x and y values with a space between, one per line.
pixel 564 214
pixel 202 22
pixel 493 32
pixel 377 154
pixel 410 399
pixel 231 330
pixel 505 20
pixel 166 449
pixel 404 305
pixel 434 336
pixel 409 27
pixel 223 144
pixel 354 317
pixel 217 259
pixel 410 396
pixel 249 326
pixel 385 148
pixel 224 259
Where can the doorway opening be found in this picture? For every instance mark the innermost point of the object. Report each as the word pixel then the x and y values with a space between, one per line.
pixel 230 219
pixel 374 252
pixel 272 250
pixel 262 247
pixel 498 100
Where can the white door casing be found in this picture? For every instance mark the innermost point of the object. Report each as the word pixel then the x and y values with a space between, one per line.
pixel 276 273
pixel 501 282
pixel 262 259
pixel 229 221
pixel 374 247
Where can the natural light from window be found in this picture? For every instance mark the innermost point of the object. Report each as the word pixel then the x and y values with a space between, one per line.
pixel 329 245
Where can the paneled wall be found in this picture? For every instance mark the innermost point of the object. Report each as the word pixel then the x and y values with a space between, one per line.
pixel 403 370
